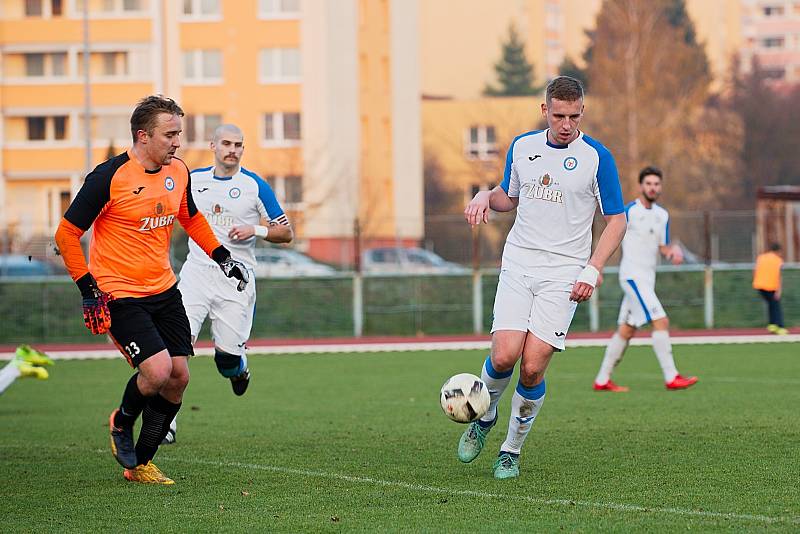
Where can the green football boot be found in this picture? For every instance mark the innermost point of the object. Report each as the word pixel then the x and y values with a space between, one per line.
pixel 32 356
pixel 506 466
pixel 472 440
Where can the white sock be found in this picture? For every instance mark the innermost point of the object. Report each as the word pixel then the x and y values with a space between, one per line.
pixel 525 405
pixel 496 383
pixel 663 349
pixel 614 351
pixel 174 425
pixel 8 374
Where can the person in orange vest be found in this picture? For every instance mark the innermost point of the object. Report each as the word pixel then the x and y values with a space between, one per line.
pixel 767 281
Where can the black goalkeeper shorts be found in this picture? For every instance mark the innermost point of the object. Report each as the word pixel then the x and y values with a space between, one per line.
pixel 141 327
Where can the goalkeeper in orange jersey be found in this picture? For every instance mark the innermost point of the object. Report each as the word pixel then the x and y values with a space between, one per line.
pixel 128 287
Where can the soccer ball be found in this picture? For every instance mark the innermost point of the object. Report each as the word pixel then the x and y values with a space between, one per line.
pixel 464 398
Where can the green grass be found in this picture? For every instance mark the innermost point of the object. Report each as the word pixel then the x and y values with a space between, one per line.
pixel 357 442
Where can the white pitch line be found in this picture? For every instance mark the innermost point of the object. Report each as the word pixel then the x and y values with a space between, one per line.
pixel 488 495
pixel 106 353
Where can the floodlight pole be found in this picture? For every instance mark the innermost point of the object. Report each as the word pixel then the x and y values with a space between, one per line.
pixel 87 90
pixel 477 286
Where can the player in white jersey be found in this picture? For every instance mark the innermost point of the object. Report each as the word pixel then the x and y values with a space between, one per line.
pixel 555 178
pixel 241 208
pixel 647 236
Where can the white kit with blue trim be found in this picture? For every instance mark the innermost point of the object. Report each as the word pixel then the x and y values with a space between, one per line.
pixel 648 229
pixel 244 198
pixel 559 187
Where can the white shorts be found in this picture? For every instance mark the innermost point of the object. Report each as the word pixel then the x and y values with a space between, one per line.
pixel 207 292
pixel 640 305
pixel 525 303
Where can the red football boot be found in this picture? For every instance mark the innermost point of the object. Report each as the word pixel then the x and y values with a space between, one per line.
pixel 680 382
pixel 610 386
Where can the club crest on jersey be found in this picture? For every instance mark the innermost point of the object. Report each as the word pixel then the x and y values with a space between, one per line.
pixel 542 189
pixel 169 183
pixel 570 163
pixel 159 220
pixel 235 192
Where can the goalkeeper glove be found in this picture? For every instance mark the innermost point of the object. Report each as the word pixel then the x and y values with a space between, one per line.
pixel 232 268
pixel 96 315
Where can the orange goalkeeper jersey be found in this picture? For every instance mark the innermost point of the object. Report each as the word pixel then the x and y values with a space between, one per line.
pixel 133 211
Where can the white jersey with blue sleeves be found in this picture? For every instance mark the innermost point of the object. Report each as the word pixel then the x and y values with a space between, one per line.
pixel 559 188
pixel 648 229
pixel 244 198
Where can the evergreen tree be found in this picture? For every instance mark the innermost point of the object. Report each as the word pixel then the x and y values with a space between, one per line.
pixel 514 72
pixel 570 68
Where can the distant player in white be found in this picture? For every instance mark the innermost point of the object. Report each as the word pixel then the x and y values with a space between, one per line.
pixel 555 178
pixel 241 208
pixel 647 236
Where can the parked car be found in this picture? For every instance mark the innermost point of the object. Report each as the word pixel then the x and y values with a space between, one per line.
pixel 277 262
pixel 21 265
pixel 410 260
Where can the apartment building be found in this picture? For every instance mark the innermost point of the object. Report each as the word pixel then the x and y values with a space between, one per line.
pixel 327 94
pixel 771 33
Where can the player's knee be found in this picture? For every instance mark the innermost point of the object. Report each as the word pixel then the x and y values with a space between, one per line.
pixel 502 362
pixel 153 381
pixel 228 365
pixel 530 373
pixel 626 332
pixel 179 378
pixel 661 324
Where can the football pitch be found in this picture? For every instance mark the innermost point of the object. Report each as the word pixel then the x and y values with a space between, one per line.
pixel 357 442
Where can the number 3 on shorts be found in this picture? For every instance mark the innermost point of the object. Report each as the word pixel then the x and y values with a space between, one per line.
pixel 132 349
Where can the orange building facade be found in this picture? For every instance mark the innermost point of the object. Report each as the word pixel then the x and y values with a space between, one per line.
pixel 264 65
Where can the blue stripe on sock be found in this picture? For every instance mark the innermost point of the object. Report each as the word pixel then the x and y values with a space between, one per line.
pixel 491 371
pixel 534 393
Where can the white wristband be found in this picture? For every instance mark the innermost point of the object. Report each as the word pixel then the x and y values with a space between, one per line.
pixel 588 275
pixel 260 231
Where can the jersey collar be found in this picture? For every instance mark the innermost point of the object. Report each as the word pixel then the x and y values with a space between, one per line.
pixel 224 178
pixel 559 147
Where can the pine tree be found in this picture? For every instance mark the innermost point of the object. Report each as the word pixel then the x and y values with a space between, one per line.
pixel 570 68
pixel 514 72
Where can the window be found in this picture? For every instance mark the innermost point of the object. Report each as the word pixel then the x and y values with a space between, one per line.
pixel 36 128
pixel 291 126
pixel 33 8
pixel 47 128
pixel 282 128
pixel 280 65
pixel 114 63
pixel 34 65
pixel 293 187
pixel 38 65
pixel 775 73
pixel 773 11
pixel 202 66
pixel 107 7
pixel 58 63
pixel 288 189
pixel 202 9
pixel 60 127
pixel 200 128
pixel 278 9
pixel 772 42
pixel 481 143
